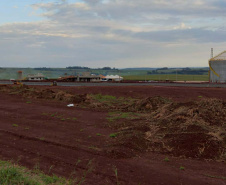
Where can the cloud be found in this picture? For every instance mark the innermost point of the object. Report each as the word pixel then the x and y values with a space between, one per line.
pixel 116 33
pixel 93 2
pixel 182 26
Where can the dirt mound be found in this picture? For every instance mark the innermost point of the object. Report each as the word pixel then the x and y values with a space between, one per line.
pixel 63 96
pixel 198 145
pixel 148 104
pixel 95 101
pixel 67 97
pixel 193 129
pixel 45 94
pixel 125 104
pixel 48 94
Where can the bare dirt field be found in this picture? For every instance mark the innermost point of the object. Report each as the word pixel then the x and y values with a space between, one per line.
pixel 117 135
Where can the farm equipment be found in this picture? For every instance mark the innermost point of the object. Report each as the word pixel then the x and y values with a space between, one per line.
pixel 54 83
pixel 17 82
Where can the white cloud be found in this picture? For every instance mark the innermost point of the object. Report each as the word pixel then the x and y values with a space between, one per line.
pixel 117 33
pixel 182 26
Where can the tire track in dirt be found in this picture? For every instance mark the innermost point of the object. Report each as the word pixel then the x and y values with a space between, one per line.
pixel 58 159
pixel 53 158
pixel 80 147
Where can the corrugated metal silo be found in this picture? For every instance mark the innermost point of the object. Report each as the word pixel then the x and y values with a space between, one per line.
pixel 217 66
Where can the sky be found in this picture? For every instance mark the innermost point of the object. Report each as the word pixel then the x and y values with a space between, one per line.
pixel 114 33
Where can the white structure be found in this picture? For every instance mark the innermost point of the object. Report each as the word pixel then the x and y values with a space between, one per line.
pixel 217 66
pixel 115 78
pixel 38 77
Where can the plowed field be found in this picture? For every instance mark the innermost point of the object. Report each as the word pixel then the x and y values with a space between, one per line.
pixel 117 135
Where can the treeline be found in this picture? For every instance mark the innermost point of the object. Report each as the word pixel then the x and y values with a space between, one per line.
pixel 44 69
pixel 192 72
pixel 80 67
pixel 107 68
pixel 183 71
pixel 77 67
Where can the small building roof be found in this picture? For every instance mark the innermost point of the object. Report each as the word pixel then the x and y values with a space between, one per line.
pixel 113 76
pixel 102 76
pixel 89 77
pixel 39 75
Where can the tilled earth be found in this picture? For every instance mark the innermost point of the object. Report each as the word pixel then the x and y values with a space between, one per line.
pixel 144 139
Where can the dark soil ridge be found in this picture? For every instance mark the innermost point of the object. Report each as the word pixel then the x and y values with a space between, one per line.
pixel 104 151
pixel 61 160
pixel 78 147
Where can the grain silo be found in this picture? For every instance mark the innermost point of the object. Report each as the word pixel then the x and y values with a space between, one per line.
pixel 217 66
pixel 19 75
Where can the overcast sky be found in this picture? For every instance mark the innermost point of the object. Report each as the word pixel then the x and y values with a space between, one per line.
pixel 115 33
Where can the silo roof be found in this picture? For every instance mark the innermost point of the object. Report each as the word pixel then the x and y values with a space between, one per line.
pixel 221 56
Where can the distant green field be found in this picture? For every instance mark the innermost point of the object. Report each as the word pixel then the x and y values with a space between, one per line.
pixel 171 77
pixel 190 74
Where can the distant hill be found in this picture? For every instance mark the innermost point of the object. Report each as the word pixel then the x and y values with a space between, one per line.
pixel 161 68
pixel 139 68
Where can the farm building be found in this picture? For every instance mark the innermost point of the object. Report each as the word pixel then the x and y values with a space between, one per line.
pixel 38 77
pixel 85 77
pixel 217 66
pixel 115 78
pixel 88 77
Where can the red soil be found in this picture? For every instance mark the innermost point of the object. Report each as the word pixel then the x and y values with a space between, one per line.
pixel 176 93
pixel 30 133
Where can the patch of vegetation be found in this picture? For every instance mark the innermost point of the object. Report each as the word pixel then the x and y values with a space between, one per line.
pixel 103 98
pixel 28 102
pixel 14 174
pixel 116 175
pixel 98 134
pixel 106 99
pixel 214 176
pixel 113 135
pixel 59 116
pixel 111 100
pixel 15 125
pixel 166 159
pixel 113 116
pixel 182 168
